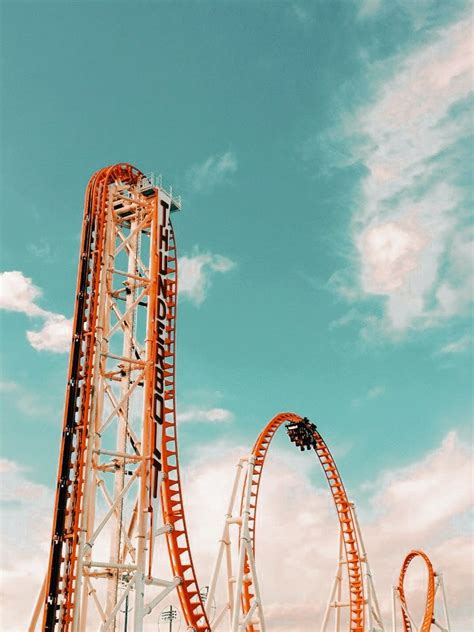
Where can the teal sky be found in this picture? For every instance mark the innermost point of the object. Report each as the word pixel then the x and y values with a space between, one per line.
pixel 348 299
pixel 323 151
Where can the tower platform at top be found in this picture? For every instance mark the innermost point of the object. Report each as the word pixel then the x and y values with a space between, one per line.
pixel 152 181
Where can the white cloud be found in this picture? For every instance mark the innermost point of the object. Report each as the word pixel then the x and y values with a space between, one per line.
pixel 211 415
pixel 456 346
pixel 423 505
pixel 213 171
pixel 411 495
pixel 55 335
pixel 409 231
pixel 195 273
pixel 19 294
pixel 26 514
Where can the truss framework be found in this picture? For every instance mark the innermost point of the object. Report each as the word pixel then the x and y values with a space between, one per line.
pixel 238 517
pixel 119 457
pixel 336 603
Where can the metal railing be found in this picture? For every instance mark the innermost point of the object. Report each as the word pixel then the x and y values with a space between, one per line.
pixel 157 181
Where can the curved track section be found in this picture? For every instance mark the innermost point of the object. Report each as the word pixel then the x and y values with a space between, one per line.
pixel 171 492
pixel 430 592
pixel 310 437
pixel 60 593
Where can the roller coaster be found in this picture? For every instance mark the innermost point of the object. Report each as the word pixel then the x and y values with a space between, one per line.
pixel 119 492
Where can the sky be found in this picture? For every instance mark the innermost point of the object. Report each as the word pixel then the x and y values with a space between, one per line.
pixel 322 150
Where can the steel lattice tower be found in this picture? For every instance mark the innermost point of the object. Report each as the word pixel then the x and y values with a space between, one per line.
pixel 119 454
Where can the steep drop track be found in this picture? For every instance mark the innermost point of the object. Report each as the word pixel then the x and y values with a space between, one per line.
pixel 61 580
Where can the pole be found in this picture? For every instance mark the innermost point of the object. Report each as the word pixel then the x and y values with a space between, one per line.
pixel 125 628
pixel 444 602
pixel 394 609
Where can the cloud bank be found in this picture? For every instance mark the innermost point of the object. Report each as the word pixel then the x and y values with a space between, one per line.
pixel 296 532
pixel 410 232
pixel 19 294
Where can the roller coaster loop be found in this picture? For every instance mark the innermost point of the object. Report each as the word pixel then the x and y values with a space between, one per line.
pixel 244 605
pixel 434 587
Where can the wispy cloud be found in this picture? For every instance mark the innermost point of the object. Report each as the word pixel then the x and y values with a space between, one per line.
pixel 40 249
pixel 19 294
pixel 368 8
pixel 373 393
pixel 29 402
pixel 301 13
pixel 456 346
pixel 196 272
pixel 196 414
pixel 346 319
pixel 413 248
pixel 213 171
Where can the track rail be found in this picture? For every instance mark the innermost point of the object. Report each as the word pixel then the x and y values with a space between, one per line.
pixel 61 574
pixel 61 596
pixel 171 490
pixel 428 616
pixel 343 508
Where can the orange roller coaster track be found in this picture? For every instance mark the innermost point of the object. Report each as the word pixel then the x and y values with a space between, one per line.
pixel 341 502
pixel 119 448
pixel 435 598
pixel 244 604
pixel 430 592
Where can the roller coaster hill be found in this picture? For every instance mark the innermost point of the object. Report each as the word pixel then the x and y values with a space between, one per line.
pixel 119 543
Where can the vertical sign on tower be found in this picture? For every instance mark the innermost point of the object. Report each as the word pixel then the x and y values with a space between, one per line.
pixel 160 358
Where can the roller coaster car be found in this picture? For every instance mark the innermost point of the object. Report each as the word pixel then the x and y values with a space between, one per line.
pixel 302 434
